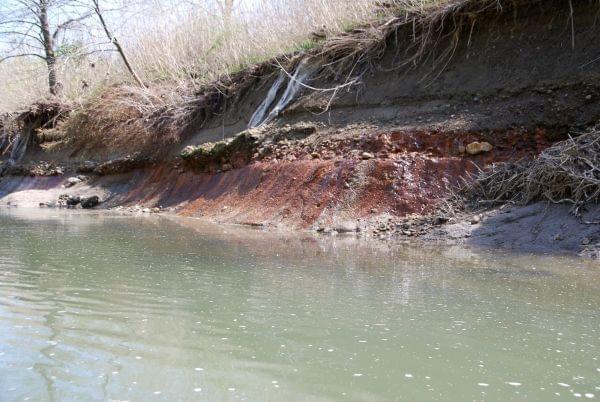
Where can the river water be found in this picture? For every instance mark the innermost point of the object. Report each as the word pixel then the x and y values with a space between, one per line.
pixel 97 307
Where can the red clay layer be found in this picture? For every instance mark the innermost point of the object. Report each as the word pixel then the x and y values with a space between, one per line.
pixel 299 193
pixel 411 173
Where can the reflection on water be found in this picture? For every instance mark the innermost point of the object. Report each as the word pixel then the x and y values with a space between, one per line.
pixel 96 307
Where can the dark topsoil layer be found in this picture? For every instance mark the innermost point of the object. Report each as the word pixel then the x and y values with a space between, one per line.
pixel 514 79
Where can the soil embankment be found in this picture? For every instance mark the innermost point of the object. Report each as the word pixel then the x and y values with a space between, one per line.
pixel 383 156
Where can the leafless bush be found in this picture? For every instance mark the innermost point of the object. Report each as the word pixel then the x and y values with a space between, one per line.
pixel 567 172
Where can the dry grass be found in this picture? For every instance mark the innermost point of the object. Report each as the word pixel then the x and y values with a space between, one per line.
pixel 188 59
pixel 416 27
pixel 127 118
pixel 567 172
pixel 201 49
pixel 24 81
pixel 181 46
pixel 191 62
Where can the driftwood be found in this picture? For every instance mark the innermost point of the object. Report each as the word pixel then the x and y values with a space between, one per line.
pixel 567 172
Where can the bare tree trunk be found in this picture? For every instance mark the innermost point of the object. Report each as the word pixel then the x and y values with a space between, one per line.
pixel 226 7
pixel 50 56
pixel 228 12
pixel 117 44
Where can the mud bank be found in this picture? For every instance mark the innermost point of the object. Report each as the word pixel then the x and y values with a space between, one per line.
pixel 227 199
pixel 390 186
pixel 380 159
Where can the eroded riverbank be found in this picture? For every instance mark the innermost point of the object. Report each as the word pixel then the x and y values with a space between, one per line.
pixel 232 199
pixel 382 158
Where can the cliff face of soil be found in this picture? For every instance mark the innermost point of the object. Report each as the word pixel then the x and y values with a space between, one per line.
pixel 377 157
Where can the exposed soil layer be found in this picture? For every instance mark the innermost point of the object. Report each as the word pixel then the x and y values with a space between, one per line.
pixel 390 184
pixel 383 159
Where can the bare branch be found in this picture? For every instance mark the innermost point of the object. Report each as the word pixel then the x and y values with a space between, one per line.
pixel 23 34
pixel 117 45
pixel 20 21
pixel 14 56
pixel 68 23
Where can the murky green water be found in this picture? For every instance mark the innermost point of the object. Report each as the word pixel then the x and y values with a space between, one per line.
pixel 98 308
